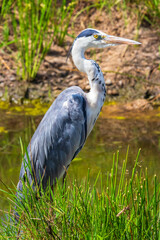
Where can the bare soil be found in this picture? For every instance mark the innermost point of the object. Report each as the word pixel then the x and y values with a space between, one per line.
pixel 130 72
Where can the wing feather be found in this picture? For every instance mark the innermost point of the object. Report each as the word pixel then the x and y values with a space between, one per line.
pixel 59 136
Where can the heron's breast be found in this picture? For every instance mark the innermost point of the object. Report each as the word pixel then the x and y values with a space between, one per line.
pixel 93 112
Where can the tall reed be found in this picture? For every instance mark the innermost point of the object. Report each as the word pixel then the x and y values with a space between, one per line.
pixel 120 208
pixel 36 25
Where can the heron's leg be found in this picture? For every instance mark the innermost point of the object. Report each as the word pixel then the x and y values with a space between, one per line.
pixel 65 173
pixel 54 186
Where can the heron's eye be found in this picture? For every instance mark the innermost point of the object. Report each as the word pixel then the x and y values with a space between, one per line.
pixel 96 36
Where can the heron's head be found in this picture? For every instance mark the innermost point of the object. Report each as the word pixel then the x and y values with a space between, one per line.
pixel 92 38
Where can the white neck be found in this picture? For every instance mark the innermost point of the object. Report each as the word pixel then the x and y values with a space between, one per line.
pixel 96 96
pixel 89 67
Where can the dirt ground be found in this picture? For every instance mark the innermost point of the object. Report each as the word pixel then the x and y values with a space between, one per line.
pixel 130 72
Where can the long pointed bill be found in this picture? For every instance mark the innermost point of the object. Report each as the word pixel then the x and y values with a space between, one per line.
pixel 118 40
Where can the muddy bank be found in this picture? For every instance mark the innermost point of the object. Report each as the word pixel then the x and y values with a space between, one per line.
pixel 130 72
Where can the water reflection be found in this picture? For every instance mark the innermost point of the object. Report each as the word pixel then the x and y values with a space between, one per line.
pixel 111 133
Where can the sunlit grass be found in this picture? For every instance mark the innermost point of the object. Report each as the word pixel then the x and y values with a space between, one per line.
pixel 36 25
pixel 122 207
pixel 40 24
pixel 148 10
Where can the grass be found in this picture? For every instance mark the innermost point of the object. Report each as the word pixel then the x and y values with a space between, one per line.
pixel 149 10
pixel 35 33
pixel 120 208
pixel 36 25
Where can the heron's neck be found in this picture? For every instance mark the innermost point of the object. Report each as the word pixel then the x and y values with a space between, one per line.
pixel 96 96
pixel 94 73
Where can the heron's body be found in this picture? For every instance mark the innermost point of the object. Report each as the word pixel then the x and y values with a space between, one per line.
pixel 63 130
pixel 52 156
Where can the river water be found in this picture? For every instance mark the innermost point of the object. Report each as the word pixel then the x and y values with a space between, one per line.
pixel 112 132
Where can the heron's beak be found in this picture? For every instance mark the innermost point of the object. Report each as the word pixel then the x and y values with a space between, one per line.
pixel 118 40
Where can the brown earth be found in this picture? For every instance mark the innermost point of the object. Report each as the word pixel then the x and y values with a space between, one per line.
pixel 130 72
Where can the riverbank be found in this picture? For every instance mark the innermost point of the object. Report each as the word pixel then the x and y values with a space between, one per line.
pixel 130 72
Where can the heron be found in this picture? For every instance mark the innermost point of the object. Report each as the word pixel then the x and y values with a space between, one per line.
pixel 68 122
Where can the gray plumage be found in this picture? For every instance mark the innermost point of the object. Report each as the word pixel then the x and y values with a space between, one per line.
pixel 63 130
pixel 59 137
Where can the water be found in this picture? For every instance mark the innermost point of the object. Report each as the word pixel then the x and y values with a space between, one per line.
pixel 112 132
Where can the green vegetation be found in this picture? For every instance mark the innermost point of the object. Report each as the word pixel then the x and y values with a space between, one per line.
pixel 32 26
pixel 30 108
pixel 120 208
pixel 36 25
pixel 148 9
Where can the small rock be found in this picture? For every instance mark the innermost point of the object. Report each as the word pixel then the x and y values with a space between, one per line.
pixel 52 74
pixel 71 83
pixel 12 78
pixel 108 82
pixel 59 80
pixel 14 99
pixel 46 64
pixel 113 92
pixel 120 83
